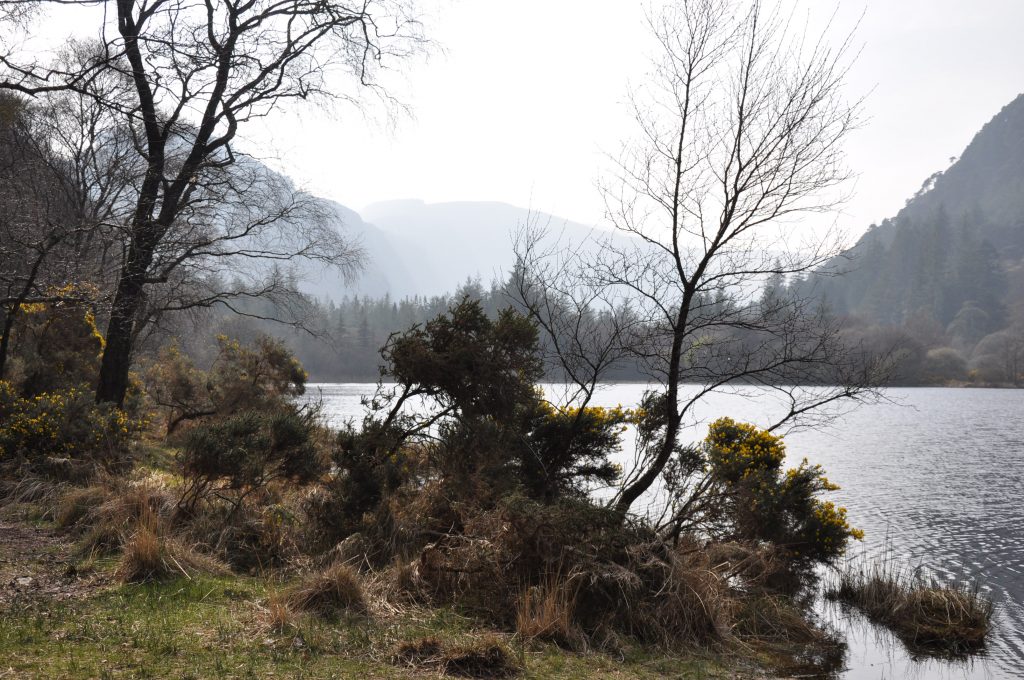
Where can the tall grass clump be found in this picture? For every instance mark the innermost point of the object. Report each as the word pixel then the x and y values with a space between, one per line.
pixel 547 612
pixel 929 616
pixel 329 592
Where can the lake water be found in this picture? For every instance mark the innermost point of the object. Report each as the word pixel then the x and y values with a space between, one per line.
pixel 934 475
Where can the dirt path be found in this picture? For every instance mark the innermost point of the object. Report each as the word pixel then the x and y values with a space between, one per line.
pixel 37 563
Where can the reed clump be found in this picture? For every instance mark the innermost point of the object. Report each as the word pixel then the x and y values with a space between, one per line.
pixel 929 616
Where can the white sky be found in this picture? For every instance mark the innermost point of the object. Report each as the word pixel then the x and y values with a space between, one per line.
pixel 528 96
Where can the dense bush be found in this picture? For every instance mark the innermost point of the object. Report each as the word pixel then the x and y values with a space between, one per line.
pixel 55 345
pixel 243 453
pixel 481 431
pixel 62 431
pixel 758 500
pixel 943 365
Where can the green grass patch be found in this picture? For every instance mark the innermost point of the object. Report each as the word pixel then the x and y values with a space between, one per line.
pixel 214 627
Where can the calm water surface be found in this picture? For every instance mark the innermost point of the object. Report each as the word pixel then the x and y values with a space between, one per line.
pixel 936 474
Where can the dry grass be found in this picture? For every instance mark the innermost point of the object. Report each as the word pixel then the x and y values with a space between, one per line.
pixel 426 651
pixel 776 619
pixel 329 592
pixel 265 532
pixel 75 506
pixel 279 616
pixel 148 556
pixel 39 491
pixel 616 580
pixel 927 615
pixel 400 584
pixel 486 658
pixel 547 612
pixel 109 514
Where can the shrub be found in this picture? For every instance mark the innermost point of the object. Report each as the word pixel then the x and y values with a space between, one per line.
pixel 486 432
pixel 57 344
pixel 261 378
pixel 266 531
pixel 759 501
pixel 62 433
pixel 244 453
pixel 569 449
pixel 942 365
pixel 622 577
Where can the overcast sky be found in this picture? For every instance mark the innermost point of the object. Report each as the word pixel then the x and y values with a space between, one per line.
pixel 528 95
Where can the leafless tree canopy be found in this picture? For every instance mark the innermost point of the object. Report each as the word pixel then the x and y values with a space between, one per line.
pixel 172 81
pixel 740 131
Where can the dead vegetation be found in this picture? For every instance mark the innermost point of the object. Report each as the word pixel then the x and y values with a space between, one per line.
pixel 930 616
pixel 575 575
pixel 149 556
pixel 335 590
pixel 487 657
pixel 547 612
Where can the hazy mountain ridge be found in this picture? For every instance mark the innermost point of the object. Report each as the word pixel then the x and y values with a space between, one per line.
pixel 423 249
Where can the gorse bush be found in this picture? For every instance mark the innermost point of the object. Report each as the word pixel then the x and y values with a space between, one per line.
pixel 485 432
pixel 758 500
pixel 243 453
pixel 569 449
pixel 63 429
pixel 56 345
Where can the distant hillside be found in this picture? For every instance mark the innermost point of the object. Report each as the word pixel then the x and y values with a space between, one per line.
pixel 950 264
pixel 428 249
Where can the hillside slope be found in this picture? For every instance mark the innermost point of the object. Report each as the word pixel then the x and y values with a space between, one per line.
pixel 953 258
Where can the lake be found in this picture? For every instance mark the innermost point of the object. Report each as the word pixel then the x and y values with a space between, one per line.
pixel 934 475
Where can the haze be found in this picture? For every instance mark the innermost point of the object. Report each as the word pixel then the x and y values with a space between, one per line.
pixel 528 97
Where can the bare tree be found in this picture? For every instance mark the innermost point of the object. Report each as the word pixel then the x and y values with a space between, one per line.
pixel 189 74
pixel 740 130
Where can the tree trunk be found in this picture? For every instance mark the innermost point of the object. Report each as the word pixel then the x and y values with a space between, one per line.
pixel 5 339
pixel 12 311
pixel 632 492
pixel 117 353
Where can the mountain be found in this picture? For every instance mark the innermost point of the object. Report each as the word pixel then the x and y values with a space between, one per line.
pixel 385 271
pixel 427 249
pixel 950 264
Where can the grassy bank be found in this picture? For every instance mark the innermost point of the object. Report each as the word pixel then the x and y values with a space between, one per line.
pixel 223 627
pixel 71 610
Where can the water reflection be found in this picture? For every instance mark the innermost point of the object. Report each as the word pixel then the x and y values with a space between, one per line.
pixel 936 473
